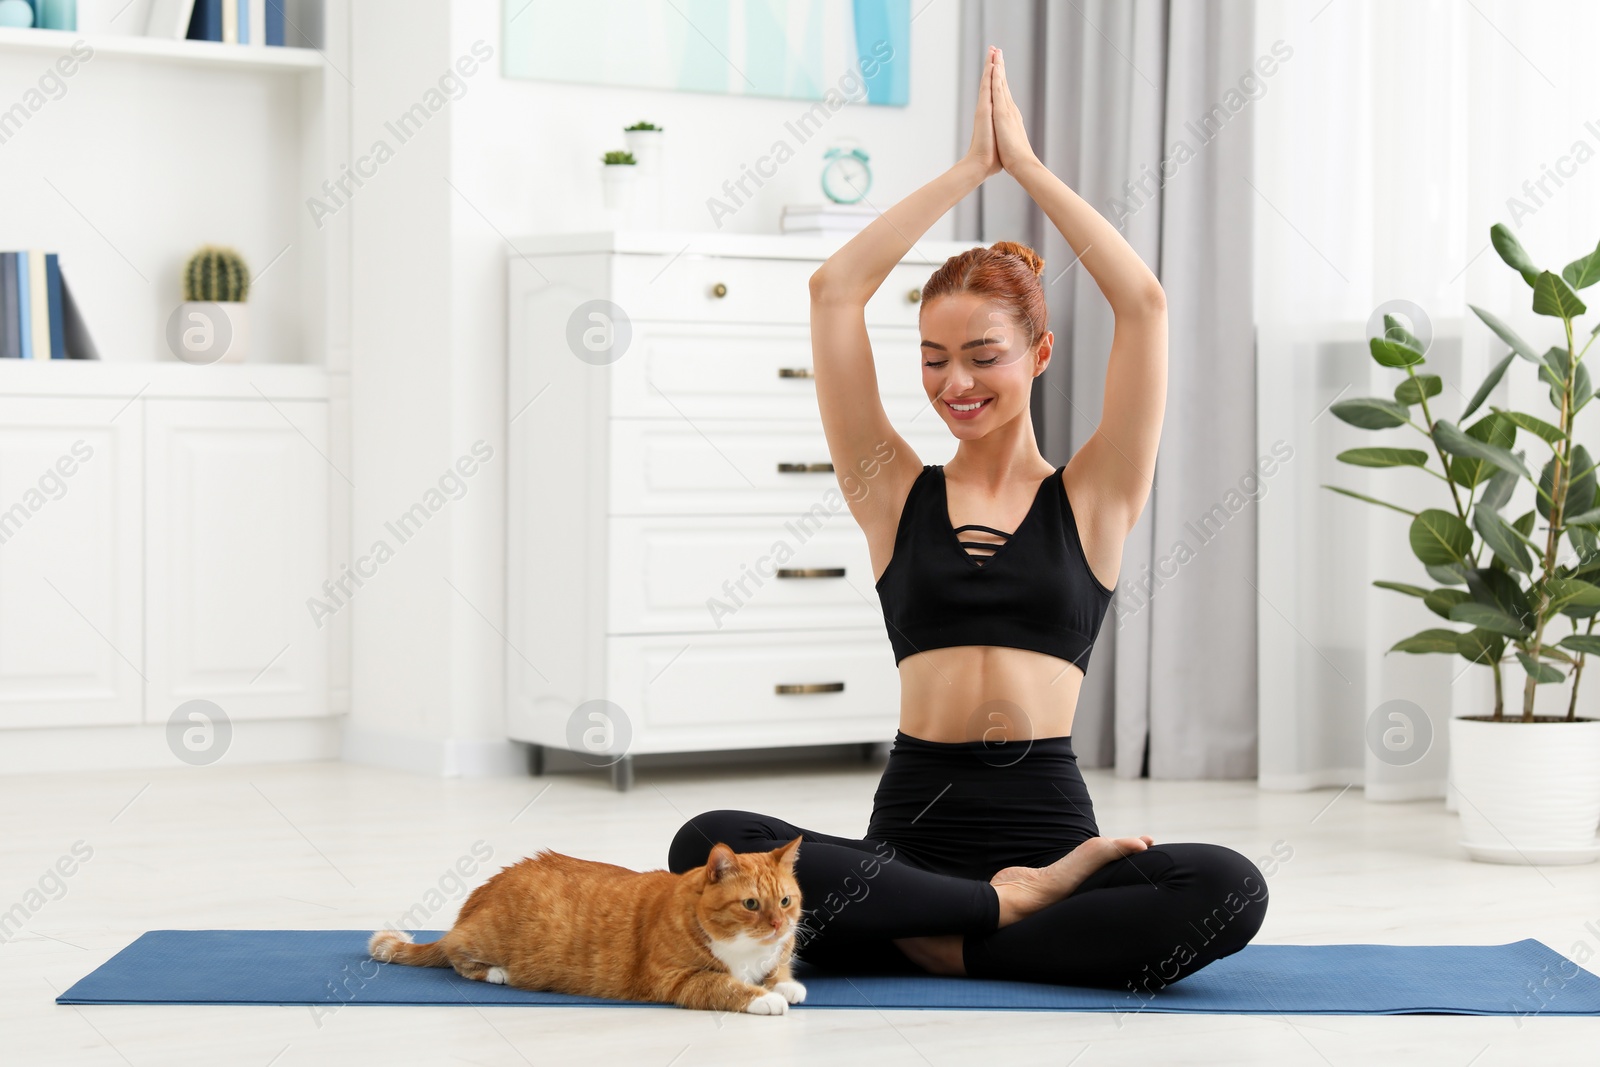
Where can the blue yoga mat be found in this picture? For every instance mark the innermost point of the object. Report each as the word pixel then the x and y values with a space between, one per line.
pixel 331 968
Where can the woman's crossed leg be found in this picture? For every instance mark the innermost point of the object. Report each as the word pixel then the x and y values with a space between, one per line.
pixel 1111 912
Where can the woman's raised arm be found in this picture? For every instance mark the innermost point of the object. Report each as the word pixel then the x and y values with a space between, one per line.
pixel 1117 464
pixel 853 419
pixel 853 273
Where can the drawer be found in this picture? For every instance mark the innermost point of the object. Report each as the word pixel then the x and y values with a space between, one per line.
pixel 685 288
pixel 705 467
pixel 748 372
pixel 745 689
pixel 807 572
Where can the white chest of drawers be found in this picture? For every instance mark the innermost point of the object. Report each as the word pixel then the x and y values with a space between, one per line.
pixel 684 572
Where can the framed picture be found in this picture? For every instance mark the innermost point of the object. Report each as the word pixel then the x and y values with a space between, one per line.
pixel 797 49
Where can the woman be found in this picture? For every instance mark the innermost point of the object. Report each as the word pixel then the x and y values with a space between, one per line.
pixel 982 856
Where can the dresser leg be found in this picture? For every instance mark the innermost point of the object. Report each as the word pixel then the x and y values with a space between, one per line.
pixel 536 760
pixel 622 774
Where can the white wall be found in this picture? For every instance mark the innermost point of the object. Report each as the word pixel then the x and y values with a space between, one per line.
pixel 509 158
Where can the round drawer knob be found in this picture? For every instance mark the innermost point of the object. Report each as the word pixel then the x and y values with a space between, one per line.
pixel 914 296
pixel 719 290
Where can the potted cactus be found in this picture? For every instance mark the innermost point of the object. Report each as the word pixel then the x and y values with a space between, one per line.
pixel 1527 589
pixel 216 283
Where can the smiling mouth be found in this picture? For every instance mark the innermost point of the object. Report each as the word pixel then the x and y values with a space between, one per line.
pixel 967 406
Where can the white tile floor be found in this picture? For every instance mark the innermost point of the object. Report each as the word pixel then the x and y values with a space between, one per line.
pixel 333 846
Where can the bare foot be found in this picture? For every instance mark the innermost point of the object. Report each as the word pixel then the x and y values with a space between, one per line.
pixel 1025 890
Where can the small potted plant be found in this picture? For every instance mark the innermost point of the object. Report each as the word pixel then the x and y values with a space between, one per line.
pixel 617 178
pixel 1529 784
pixel 216 283
pixel 644 141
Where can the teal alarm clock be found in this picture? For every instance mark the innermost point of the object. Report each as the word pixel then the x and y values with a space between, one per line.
pixel 846 177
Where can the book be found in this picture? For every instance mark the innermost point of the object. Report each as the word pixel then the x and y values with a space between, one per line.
pixel 274 16
pixel 38 317
pixel 10 335
pixel 230 21
pixel 74 331
pixel 836 211
pixel 24 306
pixel 206 22
pixel 790 226
pixel 169 19
pixel 52 280
pixel 258 22
pixel 38 303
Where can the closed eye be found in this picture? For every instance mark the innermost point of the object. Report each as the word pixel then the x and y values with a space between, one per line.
pixel 991 361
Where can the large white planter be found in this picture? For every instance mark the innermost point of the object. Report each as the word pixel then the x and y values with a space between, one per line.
pixel 1527 792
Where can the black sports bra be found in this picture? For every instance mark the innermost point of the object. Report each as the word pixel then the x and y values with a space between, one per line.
pixel 1035 591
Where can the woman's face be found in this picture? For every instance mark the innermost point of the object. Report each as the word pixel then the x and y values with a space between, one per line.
pixel 977 365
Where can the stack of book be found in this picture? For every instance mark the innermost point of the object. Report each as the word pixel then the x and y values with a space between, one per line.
pixel 38 317
pixel 826 218
pixel 254 22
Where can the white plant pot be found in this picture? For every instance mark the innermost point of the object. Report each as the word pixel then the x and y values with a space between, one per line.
pixel 616 186
pixel 647 147
pixel 205 327
pixel 1527 792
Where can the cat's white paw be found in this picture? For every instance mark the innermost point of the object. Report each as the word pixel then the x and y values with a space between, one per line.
pixel 496 976
pixel 793 992
pixel 767 1004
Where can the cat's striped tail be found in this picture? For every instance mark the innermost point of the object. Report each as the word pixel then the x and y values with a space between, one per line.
pixel 395 946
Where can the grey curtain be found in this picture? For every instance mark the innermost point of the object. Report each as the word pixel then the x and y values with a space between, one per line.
pixel 1112 91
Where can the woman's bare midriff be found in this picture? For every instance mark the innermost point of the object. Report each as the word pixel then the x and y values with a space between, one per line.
pixel 987 693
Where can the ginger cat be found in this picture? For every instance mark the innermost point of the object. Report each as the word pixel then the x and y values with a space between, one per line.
pixel 719 937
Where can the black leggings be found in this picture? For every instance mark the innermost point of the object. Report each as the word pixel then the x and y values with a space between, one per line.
pixel 945 818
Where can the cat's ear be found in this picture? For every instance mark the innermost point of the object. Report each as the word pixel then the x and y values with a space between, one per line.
pixel 721 863
pixel 786 854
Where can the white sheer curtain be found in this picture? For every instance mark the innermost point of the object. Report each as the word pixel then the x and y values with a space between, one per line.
pixel 1389 142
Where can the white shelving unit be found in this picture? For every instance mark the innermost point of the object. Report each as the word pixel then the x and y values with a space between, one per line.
pixel 216 502
pixel 161 50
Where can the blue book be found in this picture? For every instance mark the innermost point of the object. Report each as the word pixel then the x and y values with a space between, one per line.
pixel 58 326
pixel 275 21
pixel 10 338
pixel 24 312
pixel 206 22
pixel 244 21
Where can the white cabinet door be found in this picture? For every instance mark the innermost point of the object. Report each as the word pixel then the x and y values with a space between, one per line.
pixel 70 636
pixel 236 506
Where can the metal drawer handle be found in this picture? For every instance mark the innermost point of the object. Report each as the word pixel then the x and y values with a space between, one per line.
pixel 719 290
pixel 809 687
pixel 804 468
pixel 810 572
pixel 915 296
pixel 795 372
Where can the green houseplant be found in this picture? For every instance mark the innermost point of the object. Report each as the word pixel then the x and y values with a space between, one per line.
pixel 1517 584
